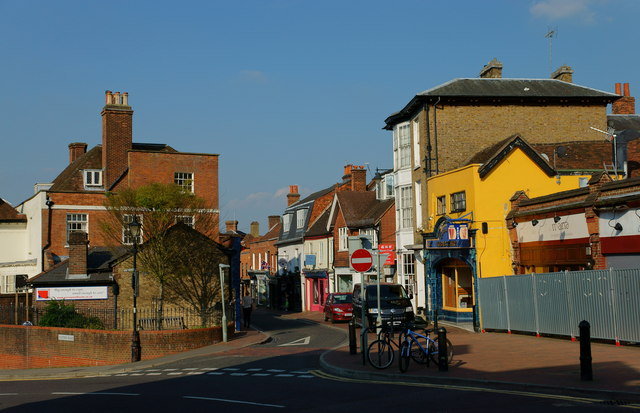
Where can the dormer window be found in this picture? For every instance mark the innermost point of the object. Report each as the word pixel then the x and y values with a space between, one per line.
pixel 92 178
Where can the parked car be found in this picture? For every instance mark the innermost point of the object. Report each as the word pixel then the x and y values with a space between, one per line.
pixel 395 304
pixel 338 307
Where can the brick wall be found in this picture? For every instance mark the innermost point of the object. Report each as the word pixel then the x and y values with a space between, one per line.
pixel 40 347
pixel 463 130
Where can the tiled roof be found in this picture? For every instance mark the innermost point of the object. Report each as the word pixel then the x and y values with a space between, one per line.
pixel 71 179
pixel 577 156
pixel 362 209
pixel 98 269
pixel 9 214
pixel 319 226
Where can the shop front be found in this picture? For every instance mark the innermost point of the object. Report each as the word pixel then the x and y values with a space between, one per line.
pixel 316 288
pixel 450 268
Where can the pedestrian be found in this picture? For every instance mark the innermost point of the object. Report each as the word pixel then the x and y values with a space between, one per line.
pixel 247 306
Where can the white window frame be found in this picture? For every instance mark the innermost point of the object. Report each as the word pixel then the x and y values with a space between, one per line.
pixel 343 239
pixel 416 141
pixel 92 178
pixel 77 222
pixel 418 202
pixel 402 146
pixel 372 234
pixel 405 207
pixel 7 284
pixel 184 180
pixel 301 215
pixel 126 238
pixel 389 181
pixel 286 223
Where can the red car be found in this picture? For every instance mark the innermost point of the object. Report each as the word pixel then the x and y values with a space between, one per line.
pixel 338 307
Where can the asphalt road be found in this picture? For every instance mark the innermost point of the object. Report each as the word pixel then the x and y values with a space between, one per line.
pixel 278 375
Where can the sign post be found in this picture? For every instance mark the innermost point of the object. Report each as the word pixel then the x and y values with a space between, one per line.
pixel 361 261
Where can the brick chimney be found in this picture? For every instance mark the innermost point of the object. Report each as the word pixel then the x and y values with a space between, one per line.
pixel 273 220
pixel 78 250
pixel 492 70
pixel 358 178
pixel 626 105
pixel 117 135
pixel 76 150
pixel 564 73
pixel 293 196
pixel 255 229
pixel 232 226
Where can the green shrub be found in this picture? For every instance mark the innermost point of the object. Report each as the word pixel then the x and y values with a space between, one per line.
pixel 58 314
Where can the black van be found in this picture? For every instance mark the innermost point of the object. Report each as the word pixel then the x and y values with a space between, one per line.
pixel 394 302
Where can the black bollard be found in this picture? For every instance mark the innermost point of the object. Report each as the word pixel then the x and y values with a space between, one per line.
pixel 586 370
pixel 435 319
pixel 443 361
pixel 353 343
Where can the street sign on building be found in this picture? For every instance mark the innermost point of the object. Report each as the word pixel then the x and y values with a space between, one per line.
pixel 361 260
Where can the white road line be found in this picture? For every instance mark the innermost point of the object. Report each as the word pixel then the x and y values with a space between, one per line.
pixel 254 369
pixel 233 401
pixel 275 371
pixel 191 368
pixel 231 369
pixel 169 369
pixel 216 373
pixel 284 375
pixel 8 394
pixel 261 374
pixel 175 373
pixel 306 376
pixel 69 393
pixel 153 374
pixel 239 374
pixel 209 368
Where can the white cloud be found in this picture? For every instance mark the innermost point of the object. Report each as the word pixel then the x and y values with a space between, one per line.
pixel 254 76
pixel 564 9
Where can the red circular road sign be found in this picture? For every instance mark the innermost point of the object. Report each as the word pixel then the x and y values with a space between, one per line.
pixel 361 260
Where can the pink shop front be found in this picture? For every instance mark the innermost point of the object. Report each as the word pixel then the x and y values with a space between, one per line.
pixel 316 289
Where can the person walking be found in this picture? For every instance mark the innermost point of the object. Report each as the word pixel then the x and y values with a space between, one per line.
pixel 247 306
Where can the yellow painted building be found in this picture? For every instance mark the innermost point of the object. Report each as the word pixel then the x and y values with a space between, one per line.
pixel 465 231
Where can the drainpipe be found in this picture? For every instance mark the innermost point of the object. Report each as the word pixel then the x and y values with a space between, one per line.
pixel 428 163
pixel 435 134
pixel 49 204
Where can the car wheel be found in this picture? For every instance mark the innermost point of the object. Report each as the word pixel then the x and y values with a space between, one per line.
pixel 325 317
pixel 333 318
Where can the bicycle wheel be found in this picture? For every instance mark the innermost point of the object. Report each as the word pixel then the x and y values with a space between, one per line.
pixel 418 354
pixel 433 352
pixel 380 354
pixel 405 355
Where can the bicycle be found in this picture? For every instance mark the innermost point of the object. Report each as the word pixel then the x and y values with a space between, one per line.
pixel 381 352
pixel 421 348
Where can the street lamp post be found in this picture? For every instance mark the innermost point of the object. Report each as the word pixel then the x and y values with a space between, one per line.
pixel 224 311
pixel 134 232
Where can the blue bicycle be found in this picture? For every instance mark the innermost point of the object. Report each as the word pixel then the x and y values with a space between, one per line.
pixel 421 348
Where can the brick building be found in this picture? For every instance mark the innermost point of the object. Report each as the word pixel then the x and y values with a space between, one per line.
pixel 76 197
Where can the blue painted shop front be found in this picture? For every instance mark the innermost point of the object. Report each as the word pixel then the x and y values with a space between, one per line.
pixel 450 270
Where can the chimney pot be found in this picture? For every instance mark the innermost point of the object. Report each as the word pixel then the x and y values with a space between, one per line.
pixel 625 105
pixel 626 90
pixel 618 89
pixel 125 98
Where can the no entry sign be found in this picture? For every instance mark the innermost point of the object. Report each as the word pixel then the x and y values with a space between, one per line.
pixel 361 260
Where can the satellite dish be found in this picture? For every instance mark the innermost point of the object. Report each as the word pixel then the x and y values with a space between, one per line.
pixel 561 151
pixel 545 156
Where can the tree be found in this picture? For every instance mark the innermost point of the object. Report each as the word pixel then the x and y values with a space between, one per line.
pixel 157 207
pixel 196 280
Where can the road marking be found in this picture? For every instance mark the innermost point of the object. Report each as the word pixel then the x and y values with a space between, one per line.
pixel 239 374
pixel 233 401
pixel 328 376
pixel 300 342
pixel 68 393
pixel 216 373
pixel 275 371
pixel 8 394
pixel 284 375
pixel 261 374
pixel 254 369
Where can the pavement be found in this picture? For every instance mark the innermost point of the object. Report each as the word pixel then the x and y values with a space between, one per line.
pixel 493 360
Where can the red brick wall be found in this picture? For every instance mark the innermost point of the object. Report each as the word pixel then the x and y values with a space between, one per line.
pixel 39 347
pixel 117 135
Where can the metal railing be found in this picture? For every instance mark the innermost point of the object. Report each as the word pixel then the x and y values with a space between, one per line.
pixel 122 318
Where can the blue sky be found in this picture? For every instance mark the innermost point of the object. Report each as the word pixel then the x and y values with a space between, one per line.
pixel 286 91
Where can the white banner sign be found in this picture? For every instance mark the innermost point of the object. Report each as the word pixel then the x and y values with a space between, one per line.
pixel 72 293
pixel 568 227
